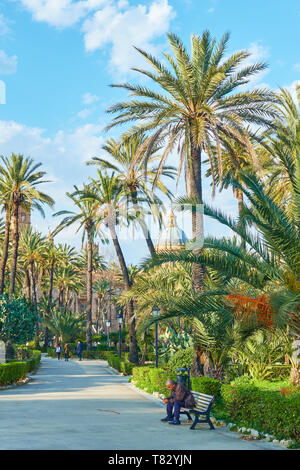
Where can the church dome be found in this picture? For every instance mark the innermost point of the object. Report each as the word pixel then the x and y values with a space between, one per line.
pixel 171 237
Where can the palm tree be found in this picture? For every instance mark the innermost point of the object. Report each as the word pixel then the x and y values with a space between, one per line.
pixel 128 156
pixel 21 179
pixel 109 195
pixel 64 324
pixel 271 263
pixel 279 148
pixel 67 279
pixel 5 194
pixel 102 289
pixel 52 256
pixel 196 108
pixel 32 246
pixel 87 217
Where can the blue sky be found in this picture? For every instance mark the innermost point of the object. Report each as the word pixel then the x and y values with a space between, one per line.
pixel 57 58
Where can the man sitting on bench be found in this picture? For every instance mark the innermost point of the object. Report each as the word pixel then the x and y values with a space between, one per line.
pixel 180 397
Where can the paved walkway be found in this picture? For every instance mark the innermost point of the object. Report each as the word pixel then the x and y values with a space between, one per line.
pixel 84 405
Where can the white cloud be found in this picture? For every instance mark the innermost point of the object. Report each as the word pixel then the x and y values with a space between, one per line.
pixel 84 113
pixel 8 65
pixel 109 23
pixel 136 26
pixel 63 157
pixel 88 98
pixel 258 53
pixel 61 13
pixel 4 28
pixel 297 67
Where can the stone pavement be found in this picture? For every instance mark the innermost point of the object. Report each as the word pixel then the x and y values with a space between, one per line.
pixel 85 405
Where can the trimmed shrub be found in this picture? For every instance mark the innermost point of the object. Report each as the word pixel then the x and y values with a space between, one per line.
pixel 180 359
pixel 152 379
pixel 33 361
pixel 119 364
pixel 12 372
pixel 266 411
pixel 90 354
pixel 206 385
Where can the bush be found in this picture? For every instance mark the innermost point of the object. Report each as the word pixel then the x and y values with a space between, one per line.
pixel 90 354
pixel 264 410
pixel 33 361
pixel 152 379
pixel 206 385
pixel 12 372
pixel 119 364
pixel 180 359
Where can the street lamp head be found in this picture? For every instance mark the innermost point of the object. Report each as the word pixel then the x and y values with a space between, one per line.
pixel 120 314
pixel 108 323
pixel 155 311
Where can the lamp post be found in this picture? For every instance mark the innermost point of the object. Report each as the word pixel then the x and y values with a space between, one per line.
pixel 107 328
pixel 155 313
pixel 120 319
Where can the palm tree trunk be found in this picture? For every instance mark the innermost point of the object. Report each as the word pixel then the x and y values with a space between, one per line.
pixel 198 272
pixel 4 248
pixel 144 228
pixel 148 239
pixel 50 294
pixel 195 191
pixel 89 290
pixel 15 246
pixel 240 198
pixel 27 285
pixel 133 349
pixel 34 300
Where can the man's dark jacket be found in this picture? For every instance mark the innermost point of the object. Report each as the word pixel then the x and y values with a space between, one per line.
pixel 181 393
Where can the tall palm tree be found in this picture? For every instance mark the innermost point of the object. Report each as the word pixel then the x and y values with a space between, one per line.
pixel 32 246
pixel 53 255
pixel 272 261
pixel 21 178
pixel 102 289
pixel 126 159
pixel 87 217
pixel 193 105
pixel 5 195
pixel 108 193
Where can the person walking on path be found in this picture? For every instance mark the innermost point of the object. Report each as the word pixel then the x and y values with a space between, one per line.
pixel 58 351
pixel 67 351
pixel 180 397
pixel 79 349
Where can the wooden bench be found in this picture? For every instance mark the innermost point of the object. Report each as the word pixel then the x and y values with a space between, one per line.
pixel 202 408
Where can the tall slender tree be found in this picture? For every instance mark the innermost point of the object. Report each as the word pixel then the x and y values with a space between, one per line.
pixel 193 105
pixel 110 195
pixel 86 217
pixel 21 176
pixel 126 159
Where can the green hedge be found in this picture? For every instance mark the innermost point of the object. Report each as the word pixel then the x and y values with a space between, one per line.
pixel 152 379
pixel 206 385
pixel 12 372
pixel 265 411
pixel 119 364
pixel 33 361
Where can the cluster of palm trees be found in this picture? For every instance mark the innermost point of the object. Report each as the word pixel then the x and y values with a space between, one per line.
pixel 193 104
